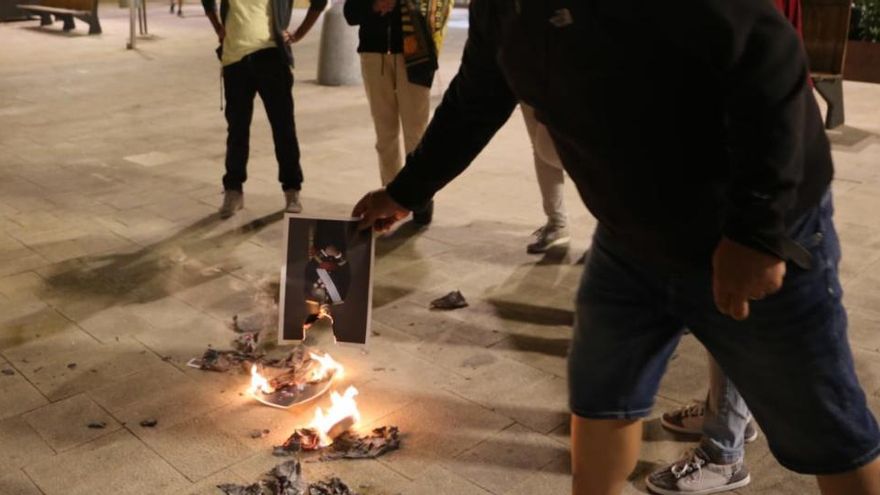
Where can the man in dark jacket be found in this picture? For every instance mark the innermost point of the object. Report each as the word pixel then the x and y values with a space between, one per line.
pixel 711 188
pixel 256 57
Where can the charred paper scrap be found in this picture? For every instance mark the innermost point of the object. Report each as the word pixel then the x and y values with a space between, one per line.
pixel 347 445
pixel 453 300
pixel 352 446
pixel 287 479
pixel 222 361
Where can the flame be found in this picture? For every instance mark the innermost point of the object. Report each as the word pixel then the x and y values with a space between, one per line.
pixel 328 366
pixel 259 382
pixel 343 407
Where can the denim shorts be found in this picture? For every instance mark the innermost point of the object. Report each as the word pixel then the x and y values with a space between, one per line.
pixel 790 360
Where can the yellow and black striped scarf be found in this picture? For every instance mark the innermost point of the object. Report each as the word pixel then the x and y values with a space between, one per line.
pixel 424 25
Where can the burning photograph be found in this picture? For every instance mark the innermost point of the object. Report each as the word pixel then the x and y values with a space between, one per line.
pixel 327 275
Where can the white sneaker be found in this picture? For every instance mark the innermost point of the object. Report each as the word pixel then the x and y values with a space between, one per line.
pixel 291 201
pixel 232 202
pixel 689 420
pixel 695 474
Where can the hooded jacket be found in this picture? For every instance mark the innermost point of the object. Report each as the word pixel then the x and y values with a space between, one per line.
pixel 679 122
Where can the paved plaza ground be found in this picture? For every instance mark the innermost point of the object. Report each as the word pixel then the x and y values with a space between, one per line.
pixel 115 270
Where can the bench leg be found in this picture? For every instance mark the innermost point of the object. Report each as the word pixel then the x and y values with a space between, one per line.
pixel 45 19
pixel 832 92
pixel 68 23
pixel 94 25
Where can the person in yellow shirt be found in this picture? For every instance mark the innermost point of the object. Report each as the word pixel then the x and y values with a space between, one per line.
pixel 257 59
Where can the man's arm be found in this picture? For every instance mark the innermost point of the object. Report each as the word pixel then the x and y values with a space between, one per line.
pixel 210 7
pixel 477 103
pixel 761 59
pixel 316 7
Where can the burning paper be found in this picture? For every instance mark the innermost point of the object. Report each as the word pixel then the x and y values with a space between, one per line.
pixel 303 382
pixel 327 275
pixel 332 433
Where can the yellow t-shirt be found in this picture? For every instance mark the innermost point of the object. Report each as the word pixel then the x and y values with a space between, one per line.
pixel 248 29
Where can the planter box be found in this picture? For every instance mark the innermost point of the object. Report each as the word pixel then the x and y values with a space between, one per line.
pixel 862 61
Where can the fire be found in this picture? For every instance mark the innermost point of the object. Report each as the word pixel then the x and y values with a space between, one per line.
pixel 327 366
pixel 259 382
pixel 343 413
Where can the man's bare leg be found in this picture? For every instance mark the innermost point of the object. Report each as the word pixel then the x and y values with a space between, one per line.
pixel 603 454
pixel 862 481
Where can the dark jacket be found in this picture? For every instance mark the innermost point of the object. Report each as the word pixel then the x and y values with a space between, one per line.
pixel 679 122
pixel 281 10
pixel 377 33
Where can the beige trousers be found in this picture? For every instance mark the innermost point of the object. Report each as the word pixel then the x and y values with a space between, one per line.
pixel 395 103
pixel 548 169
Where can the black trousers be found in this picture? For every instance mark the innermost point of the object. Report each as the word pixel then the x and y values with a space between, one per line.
pixel 265 73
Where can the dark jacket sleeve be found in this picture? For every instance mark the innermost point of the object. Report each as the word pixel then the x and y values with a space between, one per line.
pixel 761 59
pixel 209 6
pixel 357 11
pixel 477 103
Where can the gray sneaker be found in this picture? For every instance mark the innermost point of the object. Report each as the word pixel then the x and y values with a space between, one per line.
pixel 232 202
pixel 291 201
pixel 547 237
pixel 695 474
pixel 689 420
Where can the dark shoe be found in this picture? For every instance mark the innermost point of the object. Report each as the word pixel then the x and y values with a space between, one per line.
pixel 547 238
pixel 424 216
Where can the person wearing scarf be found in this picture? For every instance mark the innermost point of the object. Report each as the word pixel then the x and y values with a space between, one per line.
pixel 398 44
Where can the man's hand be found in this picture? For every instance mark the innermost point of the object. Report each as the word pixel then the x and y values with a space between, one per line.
pixel 221 33
pixel 291 37
pixel 741 274
pixel 383 7
pixel 379 211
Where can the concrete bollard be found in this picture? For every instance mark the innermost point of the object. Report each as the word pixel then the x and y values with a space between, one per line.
pixel 338 61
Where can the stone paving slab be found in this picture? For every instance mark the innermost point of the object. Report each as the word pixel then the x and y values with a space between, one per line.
pixel 117 463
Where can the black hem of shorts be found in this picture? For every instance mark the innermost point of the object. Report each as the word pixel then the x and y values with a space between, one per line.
pixel 639 414
pixel 860 461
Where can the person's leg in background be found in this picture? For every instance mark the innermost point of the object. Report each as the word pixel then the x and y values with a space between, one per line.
pixel 414 106
pixel 239 88
pixel 725 423
pixel 275 85
pixel 379 82
pixel 551 180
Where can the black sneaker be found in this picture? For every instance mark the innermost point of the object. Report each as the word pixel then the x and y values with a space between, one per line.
pixel 425 215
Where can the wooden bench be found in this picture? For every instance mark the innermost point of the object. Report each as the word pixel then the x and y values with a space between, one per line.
pixel 826 29
pixel 66 10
